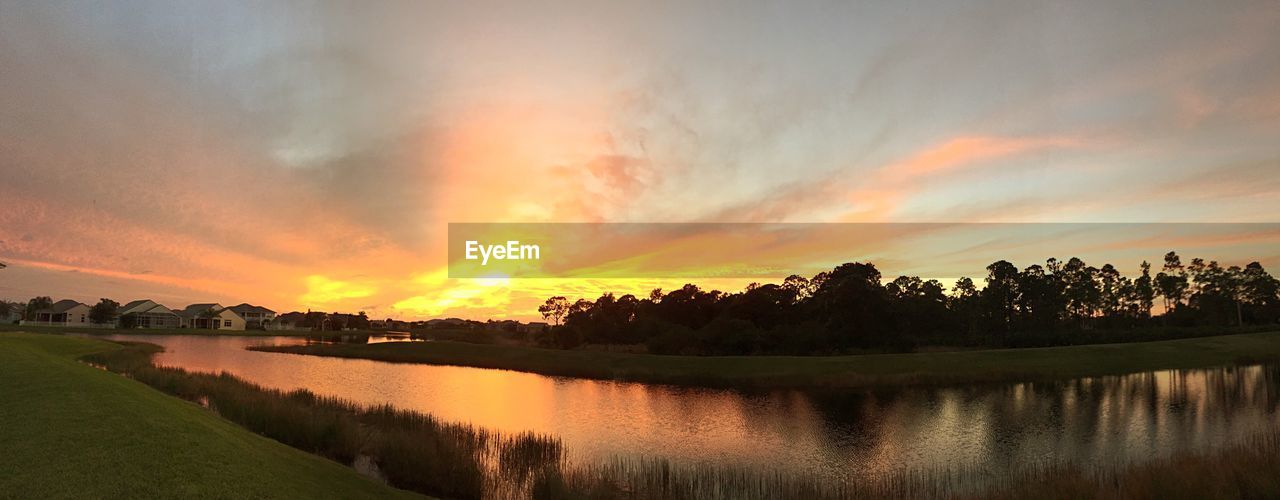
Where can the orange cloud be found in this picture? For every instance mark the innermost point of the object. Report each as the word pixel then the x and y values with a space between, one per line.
pixel 966 151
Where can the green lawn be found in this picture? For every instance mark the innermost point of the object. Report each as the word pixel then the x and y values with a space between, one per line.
pixel 829 371
pixel 70 430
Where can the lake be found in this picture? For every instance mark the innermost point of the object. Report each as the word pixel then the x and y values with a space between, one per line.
pixel 848 435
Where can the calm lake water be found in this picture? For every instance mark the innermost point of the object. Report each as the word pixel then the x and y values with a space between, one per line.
pixel 849 435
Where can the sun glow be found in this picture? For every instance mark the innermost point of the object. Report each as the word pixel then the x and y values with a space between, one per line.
pixel 324 291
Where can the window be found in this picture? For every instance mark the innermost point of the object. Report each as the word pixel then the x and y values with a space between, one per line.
pixel 226 324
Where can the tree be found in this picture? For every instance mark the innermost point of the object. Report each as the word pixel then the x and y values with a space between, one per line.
pixel 314 320
pixel 7 308
pixel 852 301
pixel 359 321
pixel 1144 291
pixel 1083 290
pixel 1171 282
pixel 1040 303
pixel 799 286
pixel 764 306
pixel 1001 293
pixel 104 311
pixel 1261 293
pixel 1111 298
pixel 36 304
pixel 1259 287
pixel 555 308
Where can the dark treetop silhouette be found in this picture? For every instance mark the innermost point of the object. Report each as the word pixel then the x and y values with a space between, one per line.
pixel 849 309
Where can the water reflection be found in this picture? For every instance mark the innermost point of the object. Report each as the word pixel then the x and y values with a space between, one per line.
pixel 849 435
pixel 351 338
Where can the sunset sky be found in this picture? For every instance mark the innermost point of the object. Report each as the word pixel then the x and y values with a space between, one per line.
pixel 311 154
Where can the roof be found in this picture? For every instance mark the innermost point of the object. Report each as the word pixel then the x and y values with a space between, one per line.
pixel 62 306
pixel 132 305
pixel 143 306
pixel 250 308
pixel 290 317
pixel 194 310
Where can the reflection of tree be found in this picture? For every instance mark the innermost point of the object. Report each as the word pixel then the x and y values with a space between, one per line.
pixel 999 428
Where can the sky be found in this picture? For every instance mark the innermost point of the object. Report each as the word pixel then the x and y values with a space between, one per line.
pixel 310 155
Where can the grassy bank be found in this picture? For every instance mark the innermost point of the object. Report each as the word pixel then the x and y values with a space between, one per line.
pixel 861 371
pixel 70 430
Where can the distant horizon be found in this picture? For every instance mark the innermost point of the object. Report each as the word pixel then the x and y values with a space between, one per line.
pixel 533 316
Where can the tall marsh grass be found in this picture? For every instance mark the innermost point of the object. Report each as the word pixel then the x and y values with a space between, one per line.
pixel 417 452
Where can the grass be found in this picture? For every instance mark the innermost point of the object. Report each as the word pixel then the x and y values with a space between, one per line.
pixel 837 372
pixel 1249 470
pixel 70 430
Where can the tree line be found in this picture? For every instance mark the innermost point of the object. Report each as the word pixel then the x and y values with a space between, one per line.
pixel 851 308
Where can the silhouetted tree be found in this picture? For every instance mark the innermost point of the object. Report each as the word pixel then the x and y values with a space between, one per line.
pixel 1144 292
pixel 7 308
pixel 36 304
pixel 1001 294
pixel 1171 281
pixel 104 311
pixel 853 303
pixel 850 308
pixel 554 309
pixel 359 321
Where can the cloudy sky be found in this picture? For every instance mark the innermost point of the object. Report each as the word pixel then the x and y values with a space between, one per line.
pixel 311 154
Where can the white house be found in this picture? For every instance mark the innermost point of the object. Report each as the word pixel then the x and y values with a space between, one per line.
pixel 211 317
pixel 254 315
pixel 147 313
pixel 62 313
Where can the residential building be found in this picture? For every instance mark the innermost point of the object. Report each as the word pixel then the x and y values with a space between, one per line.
pixel 447 323
pixel 288 321
pixel 146 313
pixel 254 316
pixel 533 327
pixel 62 313
pixel 211 317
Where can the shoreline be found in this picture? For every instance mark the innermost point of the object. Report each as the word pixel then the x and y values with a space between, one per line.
pixel 866 371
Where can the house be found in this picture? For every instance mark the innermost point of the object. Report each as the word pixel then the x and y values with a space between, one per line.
pixel 211 317
pixel 62 313
pixel 533 327
pixel 505 325
pixel 288 321
pixel 447 323
pixel 254 316
pixel 389 324
pixel 146 313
